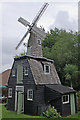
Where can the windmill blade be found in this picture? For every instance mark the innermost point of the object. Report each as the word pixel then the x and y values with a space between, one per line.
pixel 39 31
pixel 35 20
pixel 24 22
pixel 22 39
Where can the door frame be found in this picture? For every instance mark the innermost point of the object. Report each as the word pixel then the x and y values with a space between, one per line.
pixel 16 93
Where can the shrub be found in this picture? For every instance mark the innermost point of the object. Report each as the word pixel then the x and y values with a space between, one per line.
pixel 51 113
pixel 78 94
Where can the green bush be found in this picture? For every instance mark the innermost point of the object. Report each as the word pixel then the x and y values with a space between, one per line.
pixel 51 113
pixel 78 94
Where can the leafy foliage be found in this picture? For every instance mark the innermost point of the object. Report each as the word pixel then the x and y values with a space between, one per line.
pixel 51 113
pixel 63 47
pixel 21 54
pixel 78 94
pixel 71 73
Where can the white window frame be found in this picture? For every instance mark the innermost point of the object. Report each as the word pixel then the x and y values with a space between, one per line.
pixel 28 94
pixel 24 71
pixel 10 93
pixel 38 42
pixel 45 69
pixel 13 73
pixel 65 101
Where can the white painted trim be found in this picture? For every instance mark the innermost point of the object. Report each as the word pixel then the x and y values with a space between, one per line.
pixel 28 94
pixel 45 69
pixel 27 71
pixel 16 90
pixel 9 93
pixel 66 101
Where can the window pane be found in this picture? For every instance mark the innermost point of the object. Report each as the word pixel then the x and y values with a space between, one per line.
pixel 65 99
pixel 30 95
pixel 25 71
pixel 39 42
pixel 13 72
pixel 10 92
pixel 47 69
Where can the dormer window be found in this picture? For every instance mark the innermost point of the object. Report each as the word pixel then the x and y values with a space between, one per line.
pixel 39 42
pixel 13 72
pixel 46 69
pixel 25 71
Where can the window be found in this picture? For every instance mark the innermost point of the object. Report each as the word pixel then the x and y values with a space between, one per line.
pixel 25 71
pixel 47 69
pixel 10 92
pixel 39 42
pixel 13 72
pixel 65 99
pixel 30 94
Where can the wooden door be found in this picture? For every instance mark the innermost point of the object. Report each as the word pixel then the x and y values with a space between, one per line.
pixel 20 103
pixel 72 103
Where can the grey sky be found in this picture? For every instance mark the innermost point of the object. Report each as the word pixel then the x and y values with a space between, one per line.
pixel 58 14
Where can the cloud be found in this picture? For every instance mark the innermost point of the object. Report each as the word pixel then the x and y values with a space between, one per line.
pixel 58 14
pixel 63 21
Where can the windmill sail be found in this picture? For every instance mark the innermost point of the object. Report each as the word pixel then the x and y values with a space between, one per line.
pixel 22 39
pixel 23 21
pixel 39 31
pixel 32 26
pixel 35 20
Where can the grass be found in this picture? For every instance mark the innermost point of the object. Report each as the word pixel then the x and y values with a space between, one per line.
pixel 0 111
pixel 11 114
pixel 75 116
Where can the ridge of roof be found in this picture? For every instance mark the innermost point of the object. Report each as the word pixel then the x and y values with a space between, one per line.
pixel 33 57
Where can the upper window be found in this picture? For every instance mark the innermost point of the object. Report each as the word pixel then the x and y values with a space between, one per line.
pixel 13 72
pixel 30 94
pixel 10 92
pixel 65 99
pixel 25 70
pixel 39 42
pixel 47 69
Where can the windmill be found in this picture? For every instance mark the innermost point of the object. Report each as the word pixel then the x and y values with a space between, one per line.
pixel 35 33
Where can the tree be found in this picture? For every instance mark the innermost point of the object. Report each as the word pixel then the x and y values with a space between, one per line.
pixel 71 73
pixel 62 47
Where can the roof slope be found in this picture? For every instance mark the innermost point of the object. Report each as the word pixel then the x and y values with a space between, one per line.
pixel 61 89
pixel 4 76
pixel 39 76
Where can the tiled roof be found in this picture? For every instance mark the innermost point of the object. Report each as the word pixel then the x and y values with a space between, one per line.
pixel 61 89
pixel 39 76
pixel 36 65
pixel 4 76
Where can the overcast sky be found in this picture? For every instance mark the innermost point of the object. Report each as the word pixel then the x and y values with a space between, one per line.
pixel 60 14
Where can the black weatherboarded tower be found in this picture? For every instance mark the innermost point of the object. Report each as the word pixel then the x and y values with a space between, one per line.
pixel 33 82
